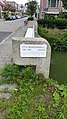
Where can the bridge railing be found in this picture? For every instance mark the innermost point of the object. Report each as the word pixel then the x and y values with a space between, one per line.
pixel 30 33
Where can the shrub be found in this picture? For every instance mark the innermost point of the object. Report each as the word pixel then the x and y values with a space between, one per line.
pixel 56 38
pixel 35 98
pixel 53 23
pixel 61 24
pixel 63 15
pixel 60 16
pixel 9 73
pixel 5 14
pixel 30 18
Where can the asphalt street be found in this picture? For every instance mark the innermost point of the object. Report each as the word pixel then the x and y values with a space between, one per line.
pixel 4 35
pixel 9 27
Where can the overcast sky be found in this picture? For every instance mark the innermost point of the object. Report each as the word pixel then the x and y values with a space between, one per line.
pixel 21 1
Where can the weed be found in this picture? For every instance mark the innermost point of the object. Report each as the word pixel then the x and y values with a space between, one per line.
pixel 35 98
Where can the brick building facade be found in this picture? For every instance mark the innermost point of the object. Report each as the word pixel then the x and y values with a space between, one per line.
pixel 50 7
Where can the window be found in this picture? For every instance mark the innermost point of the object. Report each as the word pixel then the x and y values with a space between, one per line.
pixel 53 3
pixel 57 3
pixel 48 3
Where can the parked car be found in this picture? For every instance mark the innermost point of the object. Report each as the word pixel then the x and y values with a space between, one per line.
pixel 12 17
pixel 22 16
pixel 18 16
pixel 25 15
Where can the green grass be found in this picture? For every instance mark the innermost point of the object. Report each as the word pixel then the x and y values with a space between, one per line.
pixel 35 98
pixel 58 69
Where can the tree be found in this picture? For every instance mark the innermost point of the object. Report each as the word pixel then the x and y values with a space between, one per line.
pixel 64 3
pixel 9 7
pixel 31 7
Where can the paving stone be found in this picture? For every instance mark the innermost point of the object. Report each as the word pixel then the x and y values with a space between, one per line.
pixel 8 86
pixel 5 95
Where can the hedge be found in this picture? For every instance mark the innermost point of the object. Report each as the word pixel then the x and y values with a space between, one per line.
pixel 58 41
pixel 53 23
pixel 30 19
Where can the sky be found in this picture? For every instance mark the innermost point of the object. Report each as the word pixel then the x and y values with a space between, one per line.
pixel 21 1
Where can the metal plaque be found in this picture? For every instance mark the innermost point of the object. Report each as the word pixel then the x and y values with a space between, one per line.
pixel 33 50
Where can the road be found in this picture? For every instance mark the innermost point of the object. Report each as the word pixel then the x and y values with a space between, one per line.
pixel 4 35
pixel 11 26
pixel 8 27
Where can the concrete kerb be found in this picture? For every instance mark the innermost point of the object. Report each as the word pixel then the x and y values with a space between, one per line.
pixel 7 87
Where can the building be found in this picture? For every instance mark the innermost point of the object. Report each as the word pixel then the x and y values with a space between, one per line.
pixel 50 7
pixel 13 4
pixel 2 4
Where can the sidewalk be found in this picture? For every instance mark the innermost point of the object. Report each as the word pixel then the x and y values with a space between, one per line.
pixel 6 46
pixel 1 19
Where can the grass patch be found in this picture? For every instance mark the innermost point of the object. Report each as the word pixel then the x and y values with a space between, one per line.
pixel 35 98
